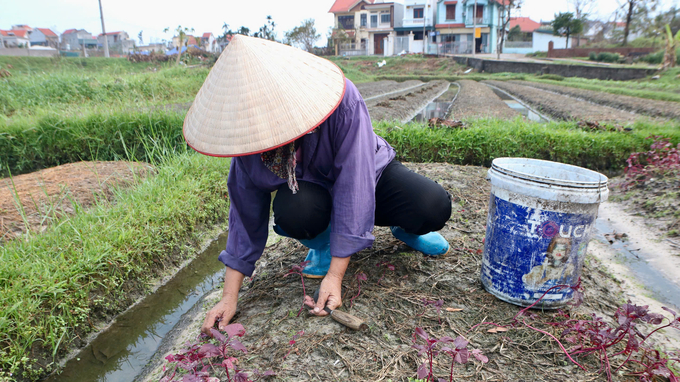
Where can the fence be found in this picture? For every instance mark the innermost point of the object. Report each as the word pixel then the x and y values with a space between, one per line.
pixel 584 52
pixel 401 44
pixel 354 49
pixel 456 47
pixel 519 44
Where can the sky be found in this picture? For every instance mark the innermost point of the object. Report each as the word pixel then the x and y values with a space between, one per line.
pixel 152 17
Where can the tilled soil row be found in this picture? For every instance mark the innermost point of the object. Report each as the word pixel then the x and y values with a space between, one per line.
pixel 402 106
pixel 391 301
pixel 476 100
pixel 652 108
pixel 372 89
pixel 565 107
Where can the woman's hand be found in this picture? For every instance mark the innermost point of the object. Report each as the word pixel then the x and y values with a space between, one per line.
pixel 330 290
pixel 222 313
pixel 226 308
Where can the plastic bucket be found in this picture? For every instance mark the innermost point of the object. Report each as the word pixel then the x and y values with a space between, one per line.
pixel 538 228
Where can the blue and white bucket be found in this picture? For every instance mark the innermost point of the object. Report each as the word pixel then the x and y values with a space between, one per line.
pixel 538 228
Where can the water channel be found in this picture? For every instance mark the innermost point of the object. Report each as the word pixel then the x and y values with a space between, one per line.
pixel 432 110
pixel 121 352
pixel 515 104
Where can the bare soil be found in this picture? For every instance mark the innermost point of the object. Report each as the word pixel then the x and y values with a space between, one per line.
pixel 43 196
pixel 403 106
pixel 393 308
pixel 477 100
pixel 373 89
pixel 652 108
pixel 564 107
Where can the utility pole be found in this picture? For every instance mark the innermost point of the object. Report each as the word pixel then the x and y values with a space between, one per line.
pixel 106 38
pixel 427 3
pixel 474 30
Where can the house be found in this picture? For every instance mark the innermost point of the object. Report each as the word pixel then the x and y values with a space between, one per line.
pixel 117 41
pixel 617 29
pixel 188 40
pixel 75 39
pixel 223 41
pixel 366 27
pixel 523 43
pixel 153 47
pixel 15 38
pixel 44 37
pixel 419 26
pixel 209 43
pixel 23 27
pixel 456 21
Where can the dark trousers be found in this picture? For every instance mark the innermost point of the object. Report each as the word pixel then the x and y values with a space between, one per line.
pixel 403 198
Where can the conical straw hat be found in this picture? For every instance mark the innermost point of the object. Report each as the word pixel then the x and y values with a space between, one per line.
pixel 261 95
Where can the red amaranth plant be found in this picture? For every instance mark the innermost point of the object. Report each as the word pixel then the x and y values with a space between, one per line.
pixel 661 159
pixel 297 270
pixel 360 277
pixel 198 358
pixel 437 305
pixel 455 348
pixel 386 266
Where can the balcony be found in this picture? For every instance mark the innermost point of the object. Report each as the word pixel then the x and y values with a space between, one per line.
pixel 414 22
pixel 481 21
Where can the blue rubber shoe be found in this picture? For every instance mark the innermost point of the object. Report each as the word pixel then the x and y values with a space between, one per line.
pixel 319 255
pixel 430 244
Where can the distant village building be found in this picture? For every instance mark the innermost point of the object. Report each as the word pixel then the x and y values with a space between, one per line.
pixel 208 43
pixel 118 42
pixel 75 39
pixel 15 38
pixel 154 47
pixel 188 40
pixel 44 37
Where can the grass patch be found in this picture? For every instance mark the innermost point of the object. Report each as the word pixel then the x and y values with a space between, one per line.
pixel 50 93
pixel 86 266
pixel 29 66
pixel 487 139
pixel 52 141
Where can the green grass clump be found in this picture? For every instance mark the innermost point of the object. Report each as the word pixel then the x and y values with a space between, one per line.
pixel 28 66
pixel 31 95
pixel 487 139
pixel 85 267
pixel 52 141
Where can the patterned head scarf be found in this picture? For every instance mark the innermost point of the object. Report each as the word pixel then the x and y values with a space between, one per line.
pixel 282 161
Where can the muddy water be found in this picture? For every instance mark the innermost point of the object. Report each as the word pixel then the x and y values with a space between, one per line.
pixel 639 261
pixel 432 110
pixel 515 104
pixel 122 351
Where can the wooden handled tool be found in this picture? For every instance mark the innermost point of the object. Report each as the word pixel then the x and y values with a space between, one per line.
pixel 350 321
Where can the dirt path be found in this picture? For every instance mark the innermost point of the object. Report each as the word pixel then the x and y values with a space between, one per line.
pixel 403 106
pixel 47 194
pixel 652 108
pixel 564 107
pixel 391 303
pixel 476 100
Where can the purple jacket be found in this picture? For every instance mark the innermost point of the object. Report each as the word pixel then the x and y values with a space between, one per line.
pixel 344 155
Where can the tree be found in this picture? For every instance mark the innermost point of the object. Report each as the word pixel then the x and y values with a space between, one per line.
pixel 304 35
pixel 267 30
pixel 672 43
pixel 515 33
pixel 244 31
pixel 629 7
pixel 139 36
pixel 582 9
pixel 504 15
pixel 566 24
pixel 181 34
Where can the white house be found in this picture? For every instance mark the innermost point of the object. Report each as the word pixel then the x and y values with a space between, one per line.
pixel 15 38
pixel 44 37
pixel 418 23
pixel 118 41
pixel 209 43
pixel 75 39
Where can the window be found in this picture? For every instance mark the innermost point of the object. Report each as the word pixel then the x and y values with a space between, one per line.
pixel 418 36
pixel 451 12
pixel 418 13
pixel 480 11
pixel 364 17
pixel 374 21
pixel 346 22
pixel 385 18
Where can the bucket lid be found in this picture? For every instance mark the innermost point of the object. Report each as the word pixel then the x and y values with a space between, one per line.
pixel 549 180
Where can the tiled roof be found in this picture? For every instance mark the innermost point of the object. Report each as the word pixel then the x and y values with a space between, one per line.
pixel 206 35
pixel 346 5
pixel 110 33
pixel 47 32
pixel 69 31
pixel 4 33
pixel 19 33
pixel 526 24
